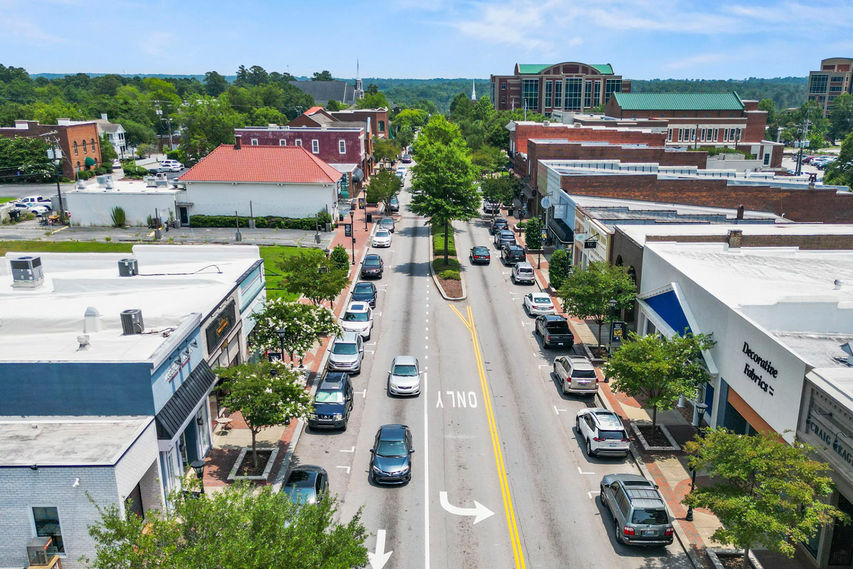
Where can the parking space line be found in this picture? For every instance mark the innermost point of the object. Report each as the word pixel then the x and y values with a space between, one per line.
pixel 347 468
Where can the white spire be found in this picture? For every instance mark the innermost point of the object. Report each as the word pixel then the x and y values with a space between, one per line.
pixel 359 88
pixel 473 90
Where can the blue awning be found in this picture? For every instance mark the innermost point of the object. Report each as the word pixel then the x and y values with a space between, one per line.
pixel 668 308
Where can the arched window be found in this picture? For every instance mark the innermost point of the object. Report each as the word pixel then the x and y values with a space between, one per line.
pixel 619 261
pixel 93 145
pixel 632 272
pixel 75 147
pixel 84 148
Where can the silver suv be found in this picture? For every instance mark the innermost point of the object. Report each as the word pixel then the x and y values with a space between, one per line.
pixel 575 374
pixel 522 273
pixel 602 432
pixel 346 353
pixel 638 510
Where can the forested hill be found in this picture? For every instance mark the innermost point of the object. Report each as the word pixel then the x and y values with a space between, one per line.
pixel 785 92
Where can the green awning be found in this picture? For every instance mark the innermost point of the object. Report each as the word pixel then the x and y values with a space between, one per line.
pixel 90 161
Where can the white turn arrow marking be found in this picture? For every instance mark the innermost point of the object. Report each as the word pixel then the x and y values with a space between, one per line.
pixel 380 558
pixel 479 511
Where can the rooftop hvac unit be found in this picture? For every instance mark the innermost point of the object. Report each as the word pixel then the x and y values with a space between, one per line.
pixel 80 184
pixel 27 272
pixel 128 267
pixel 40 551
pixel 108 183
pixel 131 321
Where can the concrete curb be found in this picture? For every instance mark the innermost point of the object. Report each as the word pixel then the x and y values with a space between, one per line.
pixel 435 278
pixel 641 464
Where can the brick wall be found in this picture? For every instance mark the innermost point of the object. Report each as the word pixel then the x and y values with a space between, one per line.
pixel 67 136
pixel 799 205
pixel 328 140
pixel 524 132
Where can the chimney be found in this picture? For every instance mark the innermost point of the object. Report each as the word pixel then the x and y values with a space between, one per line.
pixel 104 116
pixel 237 141
pixel 740 211
pixel 734 238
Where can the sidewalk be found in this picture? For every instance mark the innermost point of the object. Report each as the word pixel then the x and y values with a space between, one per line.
pixel 228 442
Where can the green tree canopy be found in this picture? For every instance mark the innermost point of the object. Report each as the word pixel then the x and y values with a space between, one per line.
pixel 764 491
pixel 25 159
pixel 214 83
pixel 312 274
pixel 488 159
pixel 108 153
pixel 294 326
pixel 841 117
pixel 208 122
pixel 500 188
pixel 324 75
pixel 241 527
pixel 383 186
pixel 841 171
pixel 659 369
pixel 587 293
pixel 443 178
pixel 384 149
pixel 372 101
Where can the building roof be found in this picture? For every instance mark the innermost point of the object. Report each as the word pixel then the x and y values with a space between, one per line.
pixel 622 212
pixel 177 287
pixel 261 164
pixel 603 68
pixel 68 441
pixel 640 233
pixel 324 91
pixel 534 68
pixel 679 101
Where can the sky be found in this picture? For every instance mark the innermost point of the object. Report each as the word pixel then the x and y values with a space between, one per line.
pixel 642 39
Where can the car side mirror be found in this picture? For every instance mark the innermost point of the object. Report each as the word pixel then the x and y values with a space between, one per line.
pixel 411 451
pixel 371 451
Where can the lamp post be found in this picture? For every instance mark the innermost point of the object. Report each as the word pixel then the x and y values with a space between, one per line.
pixel 365 215
pixel 698 411
pixel 351 222
pixel 198 466
pixel 610 335
pixel 281 333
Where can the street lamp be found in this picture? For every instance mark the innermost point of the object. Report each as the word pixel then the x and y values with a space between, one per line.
pixel 198 466
pixel 352 226
pixel 610 336
pixel 698 411
pixel 281 333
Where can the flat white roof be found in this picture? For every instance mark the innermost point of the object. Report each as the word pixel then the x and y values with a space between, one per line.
pixel 177 285
pixel 593 202
pixel 639 233
pixel 68 441
pixel 123 186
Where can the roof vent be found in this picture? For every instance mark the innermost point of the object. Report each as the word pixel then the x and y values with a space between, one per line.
pixel 836 284
pixel 128 267
pixel 83 342
pixel 27 272
pixel 91 320
pixel 131 321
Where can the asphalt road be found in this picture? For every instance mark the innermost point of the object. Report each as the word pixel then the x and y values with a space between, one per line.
pixel 493 436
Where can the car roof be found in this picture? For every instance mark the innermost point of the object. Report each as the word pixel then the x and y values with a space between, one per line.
pixel 358 306
pixel 378 231
pixel 499 220
pixel 371 256
pixel 393 432
pixel 304 475
pixel 513 246
pixel 524 265
pixel 540 295
pixel 553 317
pixel 333 381
pixel 348 337
pixel 365 284
pixel 405 360
pixel 581 362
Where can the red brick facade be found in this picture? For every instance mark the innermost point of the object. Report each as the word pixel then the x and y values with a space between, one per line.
pixel 77 142
pixel 525 131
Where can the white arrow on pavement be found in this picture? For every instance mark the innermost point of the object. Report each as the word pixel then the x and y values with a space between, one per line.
pixel 380 558
pixel 479 511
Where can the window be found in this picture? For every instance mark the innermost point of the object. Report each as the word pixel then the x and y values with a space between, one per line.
pixel 75 147
pixel 298 142
pixel 549 90
pixel 669 134
pixel 381 126
pixel 282 142
pixel 692 134
pixel 503 85
pixel 716 135
pixel 574 93
pixel 739 131
pixel 93 145
pixel 558 95
pixel 530 94
pixel 766 157
pixel 817 83
pixel 725 135
pixel 342 146
pixel 84 148
pixel 47 525
pixel 254 142
pixel 315 146
pixel 680 134
pixel 587 94
pixel 598 100
pixel 611 86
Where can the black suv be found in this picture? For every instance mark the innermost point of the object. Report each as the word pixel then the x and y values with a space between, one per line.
pixel 372 266
pixel 332 402
pixel 512 254
pixel 498 223
pixel 554 330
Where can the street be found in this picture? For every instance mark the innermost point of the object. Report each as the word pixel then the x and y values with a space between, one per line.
pixel 499 477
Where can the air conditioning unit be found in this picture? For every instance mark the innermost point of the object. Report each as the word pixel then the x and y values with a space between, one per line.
pixel 128 267
pixel 27 272
pixel 39 551
pixel 131 322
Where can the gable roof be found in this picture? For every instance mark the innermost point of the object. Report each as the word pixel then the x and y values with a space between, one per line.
pixel 603 68
pixel 278 164
pixel 324 91
pixel 679 101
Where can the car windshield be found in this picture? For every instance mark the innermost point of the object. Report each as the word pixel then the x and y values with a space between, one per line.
pixel 345 348
pixel 656 517
pixel 328 397
pixel 613 435
pixel 541 300
pixel 391 449
pixel 371 262
pixel 525 270
pixel 558 327
pixel 363 288
pixel 356 317
pixel 405 369
pixel 383 233
pixel 584 373
pixel 387 221
pixel 301 495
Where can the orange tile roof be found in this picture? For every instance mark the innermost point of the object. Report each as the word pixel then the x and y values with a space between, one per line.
pixel 278 164
pixel 312 110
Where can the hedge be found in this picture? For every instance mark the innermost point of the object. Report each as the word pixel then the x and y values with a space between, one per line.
pixel 450 274
pixel 266 222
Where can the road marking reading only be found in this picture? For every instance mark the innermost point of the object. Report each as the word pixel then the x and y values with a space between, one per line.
pixel 458 399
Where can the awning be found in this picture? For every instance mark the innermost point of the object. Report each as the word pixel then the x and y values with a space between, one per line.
pixel 563 232
pixel 357 175
pixel 176 411
pixel 89 161
pixel 667 307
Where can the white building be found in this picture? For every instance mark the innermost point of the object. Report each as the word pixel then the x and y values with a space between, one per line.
pixel 92 202
pixel 116 346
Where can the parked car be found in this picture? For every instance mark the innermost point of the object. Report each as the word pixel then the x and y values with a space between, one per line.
pixel 171 166
pixel 491 208
pixel 504 237
pixel 394 204
pixel 382 238
pixel 358 318
pixel 498 224
pixel 554 331
pixel 602 432
pixel 387 223
pixel 116 164
pixel 638 510
pixel 306 484
pixel 480 255
pixel 346 353
pixel 576 374
pixel 26 208
pixel 365 292
pixel 512 254
pixel 522 273
pixel 36 200
pixel 404 377
pixel 372 266
pixel 406 159
pixel 332 402
pixel 536 303
pixel 391 455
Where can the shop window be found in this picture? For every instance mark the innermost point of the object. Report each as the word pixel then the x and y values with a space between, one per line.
pixel 841 549
pixel 342 146
pixel 46 520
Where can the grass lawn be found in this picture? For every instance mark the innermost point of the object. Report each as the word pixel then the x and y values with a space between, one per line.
pixel 4 199
pixel 438 241
pixel 273 256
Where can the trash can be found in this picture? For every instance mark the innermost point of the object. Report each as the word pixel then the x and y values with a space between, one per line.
pixel 369 218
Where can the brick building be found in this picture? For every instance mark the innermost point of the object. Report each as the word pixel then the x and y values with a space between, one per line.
pixel 375 119
pixel 834 78
pixel 79 143
pixel 570 86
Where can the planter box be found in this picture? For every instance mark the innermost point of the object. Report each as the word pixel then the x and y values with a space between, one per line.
pixel 714 554
pixel 245 453
pixel 673 445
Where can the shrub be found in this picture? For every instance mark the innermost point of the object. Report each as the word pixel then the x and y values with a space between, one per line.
pixel 118 217
pixel 438 265
pixel 340 257
pixel 324 217
pixel 438 241
pixel 558 268
pixel 449 275
pixel 85 174
pixel 533 233
pixel 266 222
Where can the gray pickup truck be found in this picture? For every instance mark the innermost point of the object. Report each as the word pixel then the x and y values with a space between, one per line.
pixel 554 331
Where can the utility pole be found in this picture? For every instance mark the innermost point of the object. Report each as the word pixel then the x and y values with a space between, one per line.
pixel 802 132
pixel 56 158
pixel 168 119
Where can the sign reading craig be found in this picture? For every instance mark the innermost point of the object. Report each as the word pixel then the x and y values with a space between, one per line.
pixel 755 374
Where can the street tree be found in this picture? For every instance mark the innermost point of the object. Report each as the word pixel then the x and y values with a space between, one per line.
pixel 587 293
pixel 841 171
pixel 488 158
pixel 764 490
pixel 313 275
pixel 500 188
pixel 241 527
pixel 559 268
pixel 292 326
pixel 659 369
pixel 266 394
pixel 108 153
pixel 385 150
pixel 383 186
pixel 841 117
pixel 443 179
pixel 533 233
pixel 340 257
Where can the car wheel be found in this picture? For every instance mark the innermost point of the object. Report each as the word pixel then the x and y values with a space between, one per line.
pixel 368 335
pixel 602 497
pixel 589 451
pixel 344 428
pixel 512 278
pixel 578 425
pixel 616 533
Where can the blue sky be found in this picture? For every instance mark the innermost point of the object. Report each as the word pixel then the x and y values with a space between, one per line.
pixel 643 39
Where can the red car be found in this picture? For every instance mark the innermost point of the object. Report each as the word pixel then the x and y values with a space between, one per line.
pixel 480 255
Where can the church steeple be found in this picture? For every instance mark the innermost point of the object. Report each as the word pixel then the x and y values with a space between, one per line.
pixel 359 88
pixel 473 90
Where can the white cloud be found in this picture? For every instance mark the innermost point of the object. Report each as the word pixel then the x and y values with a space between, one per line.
pixel 158 44
pixel 520 24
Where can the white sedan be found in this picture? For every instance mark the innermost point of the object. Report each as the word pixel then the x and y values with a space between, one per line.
pixel 358 318
pixel 537 303
pixel 382 238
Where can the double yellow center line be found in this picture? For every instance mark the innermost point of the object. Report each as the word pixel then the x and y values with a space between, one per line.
pixel 517 550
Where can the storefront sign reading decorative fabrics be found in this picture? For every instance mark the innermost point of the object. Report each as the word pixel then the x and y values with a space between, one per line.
pixel 759 370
